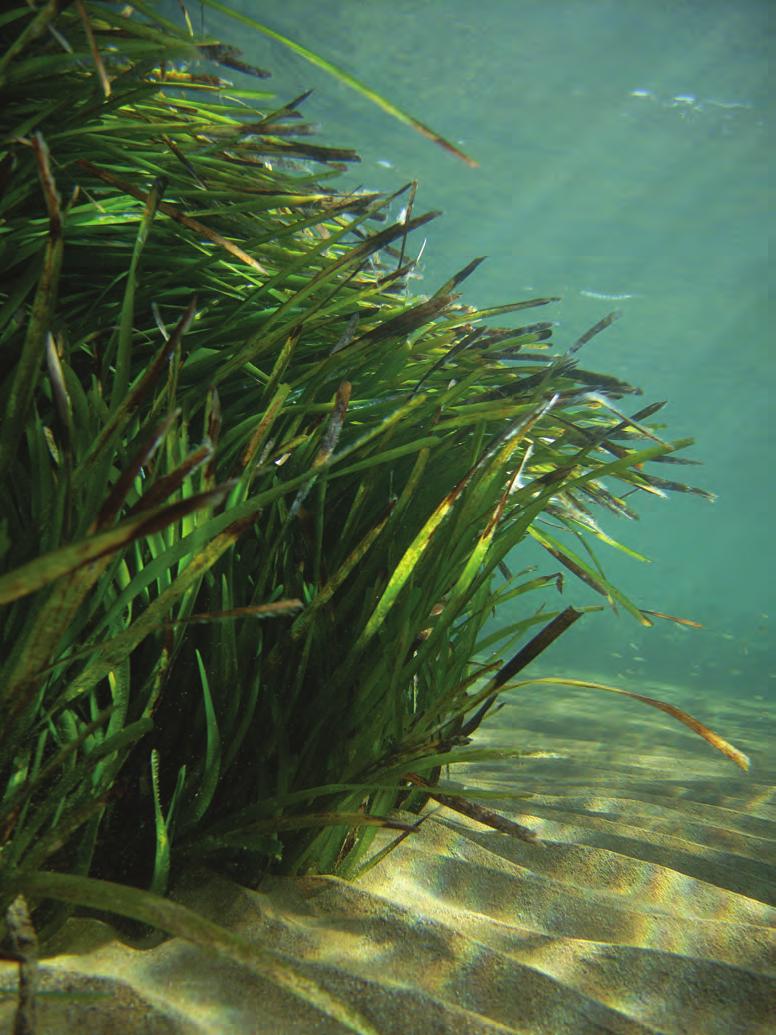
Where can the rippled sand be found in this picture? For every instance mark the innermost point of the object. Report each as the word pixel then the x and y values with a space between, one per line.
pixel 647 908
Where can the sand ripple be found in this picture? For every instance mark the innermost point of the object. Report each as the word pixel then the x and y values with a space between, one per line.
pixel 648 907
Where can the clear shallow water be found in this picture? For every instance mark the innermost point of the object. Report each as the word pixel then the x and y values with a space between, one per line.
pixel 625 162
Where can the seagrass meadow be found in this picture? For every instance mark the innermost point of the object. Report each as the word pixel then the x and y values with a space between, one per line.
pixel 259 498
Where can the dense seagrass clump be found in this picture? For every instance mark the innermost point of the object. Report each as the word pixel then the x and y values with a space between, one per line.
pixel 257 497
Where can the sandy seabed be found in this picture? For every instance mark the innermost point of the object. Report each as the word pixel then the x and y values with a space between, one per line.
pixel 648 907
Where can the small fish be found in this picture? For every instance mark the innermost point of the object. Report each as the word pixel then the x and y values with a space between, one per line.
pixel 605 296
pixel 728 105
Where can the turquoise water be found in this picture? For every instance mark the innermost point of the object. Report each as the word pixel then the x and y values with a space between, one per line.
pixel 625 162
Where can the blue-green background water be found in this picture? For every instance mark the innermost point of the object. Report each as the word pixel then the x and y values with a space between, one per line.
pixel 625 162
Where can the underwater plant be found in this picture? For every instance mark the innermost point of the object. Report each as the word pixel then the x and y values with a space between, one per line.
pixel 259 500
